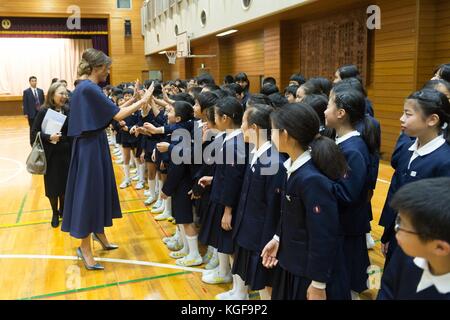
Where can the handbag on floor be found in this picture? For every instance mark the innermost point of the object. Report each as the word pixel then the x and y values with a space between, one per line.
pixel 36 162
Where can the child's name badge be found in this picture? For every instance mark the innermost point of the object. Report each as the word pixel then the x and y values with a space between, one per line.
pixel 413 173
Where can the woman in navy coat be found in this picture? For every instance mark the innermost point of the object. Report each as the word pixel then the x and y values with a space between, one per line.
pixel 308 243
pixel 91 194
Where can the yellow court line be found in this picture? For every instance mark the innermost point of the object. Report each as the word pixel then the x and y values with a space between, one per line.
pixel 3 226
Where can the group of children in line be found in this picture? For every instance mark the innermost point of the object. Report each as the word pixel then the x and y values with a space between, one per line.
pixel 279 186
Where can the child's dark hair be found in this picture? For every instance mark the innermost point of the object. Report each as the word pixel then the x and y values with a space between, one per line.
pixel 349 71
pixel 205 79
pixel 310 87
pixel 354 104
pixel 259 114
pixel 231 107
pixel 243 78
pixel 258 98
pixel 183 97
pixel 128 91
pixel 278 100
pixel 292 90
pixel 434 102
pixel 195 91
pixel 210 115
pixel 212 87
pixel 206 100
pixel 444 71
pixel 352 83
pixel 233 89
pixel 298 78
pixel 428 211
pixel 319 103
pixel 434 84
pixel 229 79
pixel 184 110
pixel 270 80
pixel 322 85
pixel 222 93
pixel 119 96
pixel 269 89
pixel 116 91
pixel 302 123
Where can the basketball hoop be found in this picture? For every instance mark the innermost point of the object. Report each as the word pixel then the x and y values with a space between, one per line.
pixel 172 56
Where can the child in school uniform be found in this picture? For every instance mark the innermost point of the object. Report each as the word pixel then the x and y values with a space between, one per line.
pixel 226 187
pixel 259 208
pixel 420 268
pixel 426 116
pixel 179 182
pixel 345 112
pixel 204 133
pixel 128 140
pixel 308 244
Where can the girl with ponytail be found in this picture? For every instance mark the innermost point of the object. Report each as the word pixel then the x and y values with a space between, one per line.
pixel 346 109
pixel 307 245
pixel 426 116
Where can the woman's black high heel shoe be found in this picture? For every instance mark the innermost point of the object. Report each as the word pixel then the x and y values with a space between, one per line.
pixel 96 266
pixel 104 246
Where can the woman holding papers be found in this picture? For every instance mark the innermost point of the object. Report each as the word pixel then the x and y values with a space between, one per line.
pixel 51 122
pixel 92 200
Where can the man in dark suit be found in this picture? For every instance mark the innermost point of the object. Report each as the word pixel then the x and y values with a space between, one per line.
pixel 33 98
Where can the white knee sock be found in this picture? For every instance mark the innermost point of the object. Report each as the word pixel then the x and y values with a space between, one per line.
pixel 183 238
pixel 355 295
pixel 224 264
pixel 264 294
pixel 168 206
pixel 141 171
pixel 126 171
pixel 151 187
pixel 193 246
pixel 241 290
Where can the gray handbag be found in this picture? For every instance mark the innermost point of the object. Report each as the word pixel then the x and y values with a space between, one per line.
pixel 36 162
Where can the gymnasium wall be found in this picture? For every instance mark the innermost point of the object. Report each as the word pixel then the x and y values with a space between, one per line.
pixel 401 56
pixel 127 53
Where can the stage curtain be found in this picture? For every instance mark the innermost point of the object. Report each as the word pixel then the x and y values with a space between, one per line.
pixel 44 58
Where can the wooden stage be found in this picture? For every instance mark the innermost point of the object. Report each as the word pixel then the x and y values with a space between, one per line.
pixel 38 262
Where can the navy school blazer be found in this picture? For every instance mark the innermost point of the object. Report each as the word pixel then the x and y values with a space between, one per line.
pixel 401 278
pixel 229 174
pixel 309 229
pixel 259 207
pixel 352 190
pixel 432 165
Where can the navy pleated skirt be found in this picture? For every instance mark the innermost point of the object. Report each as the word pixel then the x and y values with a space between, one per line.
pixel 212 234
pixel 248 265
pixel 91 198
pixel 356 261
pixel 288 286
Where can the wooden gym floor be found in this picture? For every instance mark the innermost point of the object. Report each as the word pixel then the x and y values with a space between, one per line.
pixel 38 262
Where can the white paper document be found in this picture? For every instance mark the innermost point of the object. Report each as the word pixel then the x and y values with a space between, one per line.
pixel 53 122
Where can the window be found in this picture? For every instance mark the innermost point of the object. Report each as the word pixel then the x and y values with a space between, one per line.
pixel 246 4
pixel 203 18
pixel 123 4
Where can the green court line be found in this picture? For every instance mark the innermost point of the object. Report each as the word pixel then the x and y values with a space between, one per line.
pixel 103 286
pixel 45 210
pixel 19 214
pixel 26 224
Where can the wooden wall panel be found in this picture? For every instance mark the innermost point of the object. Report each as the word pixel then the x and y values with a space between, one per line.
pixel 212 64
pixel 442 33
pixel 290 51
pixel 272 51
pixel 127 53
pixel 393 73
pixel 426 41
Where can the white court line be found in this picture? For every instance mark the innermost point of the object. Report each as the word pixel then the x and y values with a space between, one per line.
pixel 133 262
pixel 19 169
pixel 384 181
